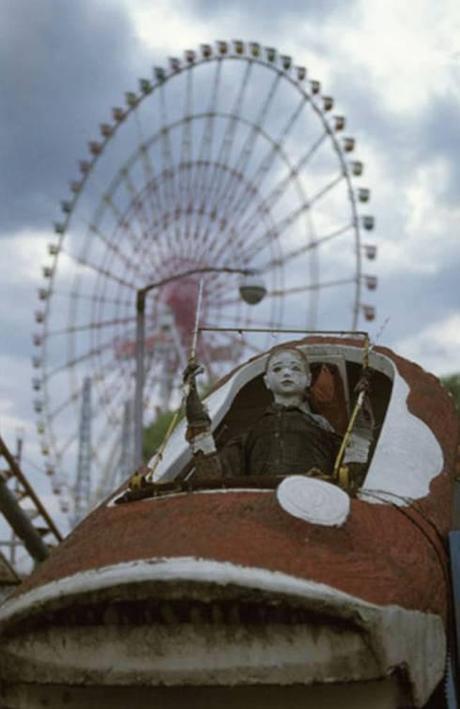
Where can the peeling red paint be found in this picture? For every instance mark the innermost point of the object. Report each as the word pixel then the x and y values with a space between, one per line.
pixel 382 554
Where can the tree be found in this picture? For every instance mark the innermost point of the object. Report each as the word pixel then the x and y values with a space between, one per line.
pixel 452 384
pixel 155 433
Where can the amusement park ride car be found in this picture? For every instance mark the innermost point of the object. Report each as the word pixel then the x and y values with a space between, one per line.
pixel 261 591
pixel 227 587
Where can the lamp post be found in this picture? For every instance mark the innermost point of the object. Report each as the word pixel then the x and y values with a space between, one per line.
pixel 252 290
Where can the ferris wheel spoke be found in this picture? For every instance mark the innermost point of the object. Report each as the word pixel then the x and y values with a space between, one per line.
pixel 99 312
pixel 105 431
pixel 221 347
pixel 106 201
pixel 208 363
pixel 186 142
pixel 139 208
pixel 64 405
pixel 231 240
pixel 166 149
pixel 234 192
pixel 206 145
pixel 277 192
pixel 135 239
pixel 276 232
pixel 148 224
pixel 249 145
pixel 291 218
pixel 185 186
pixel 314 244
pixel 157 227
pixel 89 298
pixel 226 228
pixel 213 226
pixel 152 190
pixel 167 162
pixel 117 463
pixel 149 175
pixel 102 271
pixel 282 186
pixel 93 325
pixel 153 187
pixel 147 168
pixel 106 398
pixel 109 398
pixel 274 149
pixel 159 386
pixel 311 286
pixel 207 137
pixel 317 196
pixel 61 450
pixel 263 208
pixel 68 364
pixel 130 265
pixel 217 177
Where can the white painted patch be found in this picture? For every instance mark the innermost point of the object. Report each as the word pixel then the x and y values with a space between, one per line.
pixel 408 456
pixel 396 636
pixel 203 442
pixel 315 501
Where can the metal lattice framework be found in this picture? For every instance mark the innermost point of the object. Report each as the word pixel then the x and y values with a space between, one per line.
pixel 31 525
pixel 230 157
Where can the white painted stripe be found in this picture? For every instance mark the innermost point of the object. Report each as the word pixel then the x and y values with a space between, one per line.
pixel 398 637
pixel 182 569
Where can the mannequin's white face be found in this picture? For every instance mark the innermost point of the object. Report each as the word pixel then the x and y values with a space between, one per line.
pixel 286 376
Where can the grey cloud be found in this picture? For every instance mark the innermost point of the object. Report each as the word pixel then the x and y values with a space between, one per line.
pixel 63 65
pixel 284 17
pixel 438 135
pixel 413 302
pixel 263 10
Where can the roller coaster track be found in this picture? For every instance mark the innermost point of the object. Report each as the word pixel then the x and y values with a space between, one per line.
pixel 23 510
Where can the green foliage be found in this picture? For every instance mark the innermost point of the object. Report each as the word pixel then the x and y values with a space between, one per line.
pixel 452 384
pixel 154 434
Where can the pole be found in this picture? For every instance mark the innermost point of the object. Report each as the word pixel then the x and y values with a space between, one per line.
pixel 140 376
pixel 140 346
pixel 197 322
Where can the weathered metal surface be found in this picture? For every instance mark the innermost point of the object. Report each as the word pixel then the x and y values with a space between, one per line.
pixel 368 597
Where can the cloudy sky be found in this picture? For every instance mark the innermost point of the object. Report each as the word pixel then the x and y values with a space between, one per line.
pixel 393 69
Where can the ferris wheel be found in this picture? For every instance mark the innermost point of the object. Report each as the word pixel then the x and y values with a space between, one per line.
pixel 228 159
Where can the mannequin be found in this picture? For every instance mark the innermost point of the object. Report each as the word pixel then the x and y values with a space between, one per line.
pixel 287 439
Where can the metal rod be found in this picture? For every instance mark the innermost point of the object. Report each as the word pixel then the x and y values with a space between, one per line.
pixel 197 320
pixel 310 287
pixel 356 409
pixel 140 376
pixel 205 328
pixel 195 271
